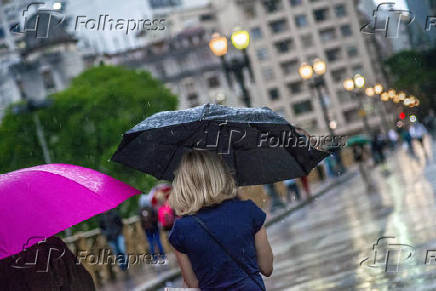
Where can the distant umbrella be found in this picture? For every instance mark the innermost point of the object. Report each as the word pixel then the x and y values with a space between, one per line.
pixel 41 201
pixel 259 145
pixel 359 139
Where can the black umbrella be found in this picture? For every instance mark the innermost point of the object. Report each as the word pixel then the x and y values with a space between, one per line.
pixel 258 144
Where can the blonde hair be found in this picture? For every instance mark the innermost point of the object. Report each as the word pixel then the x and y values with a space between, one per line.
pixel 202 179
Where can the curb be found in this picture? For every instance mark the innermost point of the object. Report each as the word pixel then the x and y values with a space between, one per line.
pixel 173 274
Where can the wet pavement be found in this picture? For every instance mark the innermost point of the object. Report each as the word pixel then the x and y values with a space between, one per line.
pixel 324 245
pixel 329 244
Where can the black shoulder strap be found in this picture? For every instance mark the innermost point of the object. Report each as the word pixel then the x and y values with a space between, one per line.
pixel 239 263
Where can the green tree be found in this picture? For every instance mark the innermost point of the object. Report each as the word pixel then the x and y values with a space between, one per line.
pixel 415 73
pixel 84 125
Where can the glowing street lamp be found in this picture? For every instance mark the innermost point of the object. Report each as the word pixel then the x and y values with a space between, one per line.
pixel 378 88
pixel 305 71
pixel 384 96
pixel 402 96
pixel 348 84
pixel 407 102
pixel 396 99
pixel 240 39
pixel 218 45
pixel 359 81
pixel 319 66
pixel 392 93
pixel 370 92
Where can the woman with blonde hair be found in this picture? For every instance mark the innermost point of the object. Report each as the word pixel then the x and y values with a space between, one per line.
pixel 220 241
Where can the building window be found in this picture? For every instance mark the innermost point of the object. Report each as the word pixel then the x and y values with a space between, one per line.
pixel 352 51
pixel 339 75
pixel 321 14
pixel 307 40
pixel 346 30
pixel 333 54
pixel 268 74
pixel 301 20
pixel 262 53
pixel 278 25
pixel 295 87
pixel 284 46
pixel 250 11
pixel 272 6
pixel 256 33
pixel 340 10
pixel 193 99
pixel 296 2
pixel 351 115
pixel 343 96
pixel 302 107
pixel 327 34
pixel 207 17
pixel 2 33
pixel 289 67
pixel 273 94
pixel 189 86
pixel 47 80
pixel 213 82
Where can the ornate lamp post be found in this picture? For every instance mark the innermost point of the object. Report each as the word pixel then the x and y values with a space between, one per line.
pixel 354 86
pixel 315 74
pixel 240 40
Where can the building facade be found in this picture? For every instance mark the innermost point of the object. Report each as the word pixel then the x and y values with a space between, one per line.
pixel 185 64
pixel 284 34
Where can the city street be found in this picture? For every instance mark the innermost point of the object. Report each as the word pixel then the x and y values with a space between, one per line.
pixel 321 246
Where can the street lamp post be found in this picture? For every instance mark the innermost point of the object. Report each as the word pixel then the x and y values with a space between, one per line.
pixel 306 72
pixel 315 73
pixel 240 40
pixel 372 92
pixel 354 86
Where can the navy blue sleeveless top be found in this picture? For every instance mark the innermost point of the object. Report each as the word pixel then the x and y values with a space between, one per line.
pixel 234 222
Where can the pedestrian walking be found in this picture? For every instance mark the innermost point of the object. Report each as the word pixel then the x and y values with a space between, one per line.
pixel 359 155
pixel 407 141
pixel 377 147
pixel 393 138
pixel 330 166
pixel 418 133
pixel 149 223
pixel 220 241
pixel 274 197
pixel 305 183
pixel 292 187
pixel 111 227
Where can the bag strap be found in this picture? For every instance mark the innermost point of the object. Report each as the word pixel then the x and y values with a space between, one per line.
pixel 238 262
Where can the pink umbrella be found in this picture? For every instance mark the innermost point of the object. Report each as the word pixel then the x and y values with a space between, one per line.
pixel 44 200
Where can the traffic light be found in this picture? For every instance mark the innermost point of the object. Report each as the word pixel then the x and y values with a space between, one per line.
pixel 402 115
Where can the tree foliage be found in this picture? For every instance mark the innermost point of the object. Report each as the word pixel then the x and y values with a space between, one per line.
pixel 84 124
pixel 415 73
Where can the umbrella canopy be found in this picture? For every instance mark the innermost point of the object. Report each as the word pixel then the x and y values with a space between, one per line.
pixel 257 143
pixel 41 201
pixel 359 139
